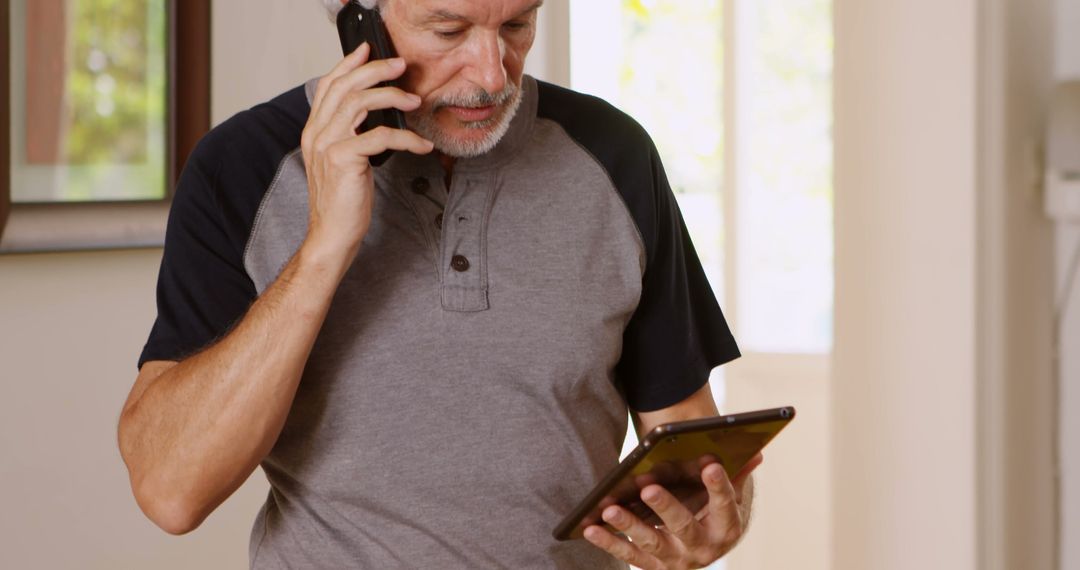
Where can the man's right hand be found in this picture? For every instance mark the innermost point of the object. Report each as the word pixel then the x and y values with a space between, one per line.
pixel 340 179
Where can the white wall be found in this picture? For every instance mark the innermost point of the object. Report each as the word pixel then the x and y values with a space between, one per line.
pixel 794 495
pixel 264 47
pixel 904 382
pixel 1016 474
pixel 71 327
pixel 550 56
pixel 943 391
pixel 1067 39
pixel 1067 238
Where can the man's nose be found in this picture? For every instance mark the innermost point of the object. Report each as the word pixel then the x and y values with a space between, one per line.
pixel 487 66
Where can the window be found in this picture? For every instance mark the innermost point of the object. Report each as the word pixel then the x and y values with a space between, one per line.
pixel 669 74
pixel 782 182
pixel 90 93
pixel 100 103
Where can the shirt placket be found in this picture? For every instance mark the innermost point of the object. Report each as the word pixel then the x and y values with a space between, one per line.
pixel 427 198
pixel 463 247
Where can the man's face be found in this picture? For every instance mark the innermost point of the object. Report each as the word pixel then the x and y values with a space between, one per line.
pixel 465 59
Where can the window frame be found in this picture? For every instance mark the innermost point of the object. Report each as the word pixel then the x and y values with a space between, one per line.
pixel 36 227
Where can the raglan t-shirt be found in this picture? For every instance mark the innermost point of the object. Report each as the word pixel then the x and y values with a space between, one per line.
pixel 471 381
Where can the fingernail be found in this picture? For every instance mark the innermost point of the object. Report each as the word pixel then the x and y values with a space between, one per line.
pixel 414 97
pixel 397 63
pixel 612 516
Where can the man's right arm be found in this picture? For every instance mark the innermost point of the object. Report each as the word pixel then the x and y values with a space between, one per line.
pixel 192 431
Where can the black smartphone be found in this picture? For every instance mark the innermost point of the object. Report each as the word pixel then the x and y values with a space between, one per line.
pixel 673 456
pixel 356 25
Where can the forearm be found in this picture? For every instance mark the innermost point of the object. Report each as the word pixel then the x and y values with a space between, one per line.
pixel 192 435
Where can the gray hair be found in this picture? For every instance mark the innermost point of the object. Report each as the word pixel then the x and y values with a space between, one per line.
pixel 334 6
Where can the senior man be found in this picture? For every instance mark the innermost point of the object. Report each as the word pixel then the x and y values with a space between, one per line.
pixel 432 360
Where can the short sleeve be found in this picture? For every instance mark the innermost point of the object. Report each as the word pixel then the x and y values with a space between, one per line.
pixel 678 333
pixel 202 287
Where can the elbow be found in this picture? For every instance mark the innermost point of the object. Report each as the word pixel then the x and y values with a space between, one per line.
pixel 173 511
pixel 160 496
pixel 177 523
pixel 170 512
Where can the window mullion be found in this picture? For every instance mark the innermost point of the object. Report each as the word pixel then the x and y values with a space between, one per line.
pixel 729 188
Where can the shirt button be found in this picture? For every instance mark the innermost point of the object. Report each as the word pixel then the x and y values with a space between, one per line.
pixel 420 185
pixel 459 263
pixel 438 221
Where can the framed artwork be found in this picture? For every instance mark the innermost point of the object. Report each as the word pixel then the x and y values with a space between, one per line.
pixel 101 101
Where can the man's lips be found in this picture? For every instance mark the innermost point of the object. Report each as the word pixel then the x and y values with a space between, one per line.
pixel 470 114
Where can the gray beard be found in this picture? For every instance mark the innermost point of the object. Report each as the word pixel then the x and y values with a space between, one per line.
pixel 424 124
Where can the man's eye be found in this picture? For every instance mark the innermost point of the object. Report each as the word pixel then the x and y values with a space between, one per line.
pixel 516 26
pixel 448 34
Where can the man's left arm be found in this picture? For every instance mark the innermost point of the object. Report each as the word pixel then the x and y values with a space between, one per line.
pixel 686 540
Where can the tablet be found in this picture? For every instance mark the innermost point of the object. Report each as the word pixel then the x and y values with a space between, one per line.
pixel 673 456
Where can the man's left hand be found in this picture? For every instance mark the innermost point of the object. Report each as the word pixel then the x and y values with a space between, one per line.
pixel 685 540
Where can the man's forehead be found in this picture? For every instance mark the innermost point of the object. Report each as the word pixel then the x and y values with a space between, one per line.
pixel 470 10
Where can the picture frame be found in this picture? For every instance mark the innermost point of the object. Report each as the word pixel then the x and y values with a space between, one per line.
pixel 27 226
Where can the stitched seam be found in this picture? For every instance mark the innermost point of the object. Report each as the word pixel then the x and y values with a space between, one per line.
pixel 263 205
pixel 612 187
pixel 489 205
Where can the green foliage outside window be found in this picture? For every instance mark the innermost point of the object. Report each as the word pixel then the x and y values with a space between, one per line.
pixel 670 80
pixel 116 99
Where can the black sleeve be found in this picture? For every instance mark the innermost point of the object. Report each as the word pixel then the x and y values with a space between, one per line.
pixel 678 333
pixel 202 288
